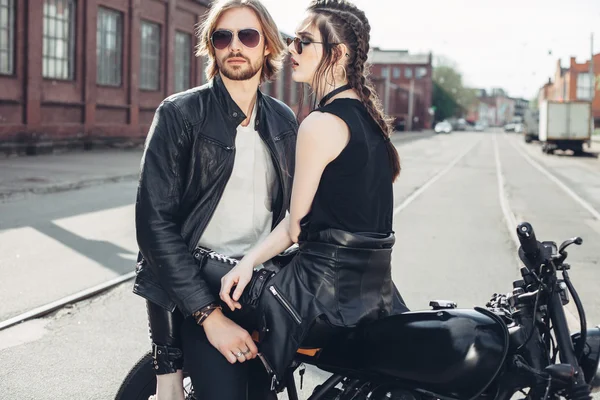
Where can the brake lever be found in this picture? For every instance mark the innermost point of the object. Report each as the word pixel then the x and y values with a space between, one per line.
pixel 576 240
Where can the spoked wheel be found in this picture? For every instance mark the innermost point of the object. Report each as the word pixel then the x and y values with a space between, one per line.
pixel 140 382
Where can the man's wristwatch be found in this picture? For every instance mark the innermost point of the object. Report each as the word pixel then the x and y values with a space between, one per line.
pixel 201 315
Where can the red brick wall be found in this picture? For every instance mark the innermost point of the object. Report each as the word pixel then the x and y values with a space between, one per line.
pixel 576 69
pixel 38 110
pixel 33 107
pixel 423 91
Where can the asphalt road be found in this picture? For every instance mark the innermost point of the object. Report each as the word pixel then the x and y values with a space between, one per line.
pixel 453 200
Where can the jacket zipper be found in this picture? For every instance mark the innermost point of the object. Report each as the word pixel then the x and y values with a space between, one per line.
pixel 270 371
pixel 285 304
pixel 280 137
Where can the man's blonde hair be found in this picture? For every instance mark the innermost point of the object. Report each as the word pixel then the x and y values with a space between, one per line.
pixel 273 61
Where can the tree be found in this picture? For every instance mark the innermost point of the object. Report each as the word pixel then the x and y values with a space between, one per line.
pixel 445 105
pixel 450 97
pixel 533 103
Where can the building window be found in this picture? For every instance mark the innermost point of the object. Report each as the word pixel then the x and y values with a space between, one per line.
pixel 408 73
pixel 385 72
pixel 109 47
pixel 183 57
pixel 7 35
pixel 150 56
pixel 58 60
pixel 584 86
pixel 421 72
pixel 396 72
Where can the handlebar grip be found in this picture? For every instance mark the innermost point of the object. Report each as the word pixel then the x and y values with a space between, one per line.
pixel 529 243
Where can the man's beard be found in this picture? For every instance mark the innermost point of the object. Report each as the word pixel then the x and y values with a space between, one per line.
pixel 240 72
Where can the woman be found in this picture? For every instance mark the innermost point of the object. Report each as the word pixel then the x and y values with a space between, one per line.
pixel 342 199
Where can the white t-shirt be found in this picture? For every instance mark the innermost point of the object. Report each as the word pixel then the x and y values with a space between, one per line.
pixel 244 216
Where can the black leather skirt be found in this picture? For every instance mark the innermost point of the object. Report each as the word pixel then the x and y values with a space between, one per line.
pixel 340 278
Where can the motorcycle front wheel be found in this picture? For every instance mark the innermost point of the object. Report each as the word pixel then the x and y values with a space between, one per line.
pixel 140 382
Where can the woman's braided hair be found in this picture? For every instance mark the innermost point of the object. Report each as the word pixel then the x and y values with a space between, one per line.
pixel 340 21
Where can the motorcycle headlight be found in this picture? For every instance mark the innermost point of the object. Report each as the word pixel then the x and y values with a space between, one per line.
pixel 591 357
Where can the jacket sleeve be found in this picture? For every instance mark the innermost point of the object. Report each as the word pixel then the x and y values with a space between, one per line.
pixel 158 217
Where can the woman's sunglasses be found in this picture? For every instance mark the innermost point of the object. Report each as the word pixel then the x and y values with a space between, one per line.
pixel 222 38
pixel 300 43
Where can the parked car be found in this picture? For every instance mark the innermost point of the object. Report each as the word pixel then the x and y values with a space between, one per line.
pixel 510 127
pixel 479 127
pixel 443 127
pixel 519 128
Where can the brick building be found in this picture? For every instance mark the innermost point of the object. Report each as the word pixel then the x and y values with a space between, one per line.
pixel 80 71
pixel 575 83
pixel 400 77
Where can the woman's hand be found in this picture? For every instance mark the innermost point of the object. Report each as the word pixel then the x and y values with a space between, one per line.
pixel 240 275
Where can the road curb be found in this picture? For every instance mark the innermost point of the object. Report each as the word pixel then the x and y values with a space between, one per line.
pixel 65 186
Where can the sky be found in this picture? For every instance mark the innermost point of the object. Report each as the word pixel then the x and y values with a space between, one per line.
pixel 512 44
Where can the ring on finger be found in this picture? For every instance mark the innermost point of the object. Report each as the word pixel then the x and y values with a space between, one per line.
pixel 239 354
pixel 246 352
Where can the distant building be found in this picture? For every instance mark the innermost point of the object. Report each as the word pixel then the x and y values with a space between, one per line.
pixel 483 109
pixel 498 92
pixel 495 109
pixel 521 105
pixel 575 83
pixel 78 72
pixel 400 77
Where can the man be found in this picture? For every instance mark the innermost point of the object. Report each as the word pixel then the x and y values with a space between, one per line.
pixel 216 172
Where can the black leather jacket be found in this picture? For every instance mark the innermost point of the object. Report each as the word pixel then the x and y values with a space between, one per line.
pixel 187 162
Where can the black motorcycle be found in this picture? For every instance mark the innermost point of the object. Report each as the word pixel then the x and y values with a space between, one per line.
pixel 518 343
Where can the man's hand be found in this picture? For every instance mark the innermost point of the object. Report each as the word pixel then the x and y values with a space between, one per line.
pixel 233 341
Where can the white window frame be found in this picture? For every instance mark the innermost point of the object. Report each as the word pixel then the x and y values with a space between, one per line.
pixel 150 55
pixel 109 47
pixel 183 61
pixel 7 37
pixel 584 86
pixel 58 47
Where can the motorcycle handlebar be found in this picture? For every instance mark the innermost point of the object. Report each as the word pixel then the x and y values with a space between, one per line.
pixel 528 241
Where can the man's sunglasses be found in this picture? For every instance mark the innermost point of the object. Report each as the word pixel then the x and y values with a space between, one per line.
pixel 222 38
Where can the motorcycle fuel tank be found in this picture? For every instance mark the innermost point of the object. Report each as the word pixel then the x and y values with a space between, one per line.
pixel 449 353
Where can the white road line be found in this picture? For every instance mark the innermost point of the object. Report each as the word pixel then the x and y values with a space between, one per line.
pixel 509 216
pixel 571 311
pixel 431 181
pixel 587 206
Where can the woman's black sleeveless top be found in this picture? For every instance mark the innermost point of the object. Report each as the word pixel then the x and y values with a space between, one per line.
pixel 355 192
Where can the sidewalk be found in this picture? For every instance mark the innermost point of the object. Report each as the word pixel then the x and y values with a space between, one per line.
pixel 23 175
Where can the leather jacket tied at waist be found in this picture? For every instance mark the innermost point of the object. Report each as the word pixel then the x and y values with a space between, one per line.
pixel 339 277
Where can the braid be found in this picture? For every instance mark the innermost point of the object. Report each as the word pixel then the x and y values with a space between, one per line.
pixel 357 70
pixel 349 25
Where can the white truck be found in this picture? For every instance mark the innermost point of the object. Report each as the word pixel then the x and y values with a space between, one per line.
pixel 565 125
pixel 531 125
